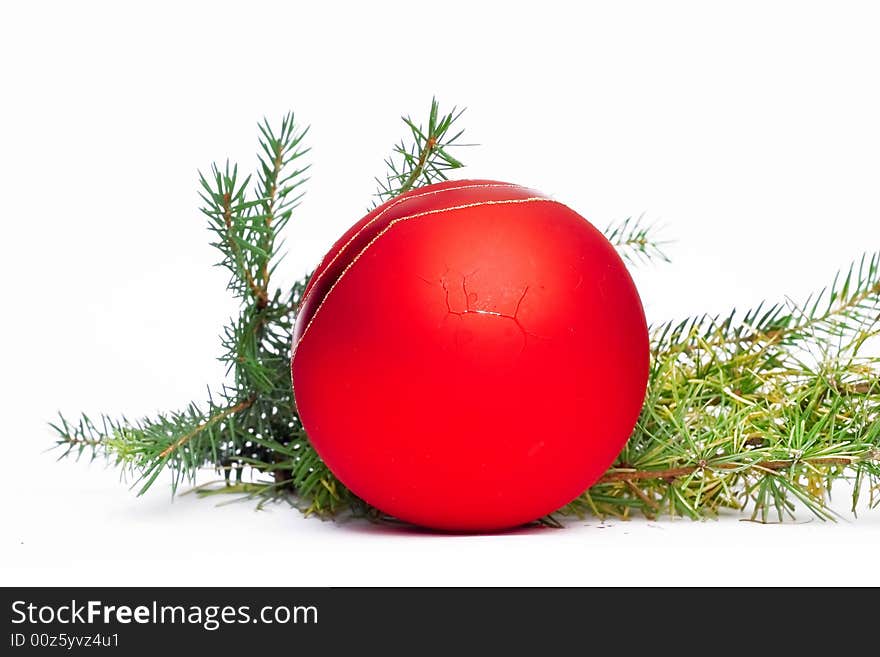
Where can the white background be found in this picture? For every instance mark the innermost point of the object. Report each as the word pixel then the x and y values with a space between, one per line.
pixel 750 129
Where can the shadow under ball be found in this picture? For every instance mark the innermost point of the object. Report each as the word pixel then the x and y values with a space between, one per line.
pixel 470 356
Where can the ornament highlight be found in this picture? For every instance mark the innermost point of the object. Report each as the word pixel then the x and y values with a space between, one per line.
pixel 470 356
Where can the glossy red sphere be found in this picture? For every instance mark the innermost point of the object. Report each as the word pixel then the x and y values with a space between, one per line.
pixel 470 356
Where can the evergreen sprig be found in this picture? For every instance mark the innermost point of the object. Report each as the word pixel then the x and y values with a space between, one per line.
pixel 764 410
pixel 424 159
pixel 254 423
pixel 636 241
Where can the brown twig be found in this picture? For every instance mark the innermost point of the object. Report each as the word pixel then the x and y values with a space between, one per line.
pixel 652 504
pixel 773 466
pixel 259 293
pixel 180 442
pixel 430 144
pixel 277 163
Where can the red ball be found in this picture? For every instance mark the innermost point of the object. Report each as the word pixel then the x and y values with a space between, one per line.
pixel 471 355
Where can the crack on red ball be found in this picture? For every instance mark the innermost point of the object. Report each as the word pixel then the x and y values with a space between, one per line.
pixel 471 297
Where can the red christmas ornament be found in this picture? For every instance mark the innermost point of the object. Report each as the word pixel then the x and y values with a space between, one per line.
pixel 470 355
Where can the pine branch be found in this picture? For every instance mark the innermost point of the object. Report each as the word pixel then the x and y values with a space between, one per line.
pixel 763 413
pixel 256 342
pixel 183 441
pixel 635 241
pixel 425 159
pixel 226 207
pixel 278 186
